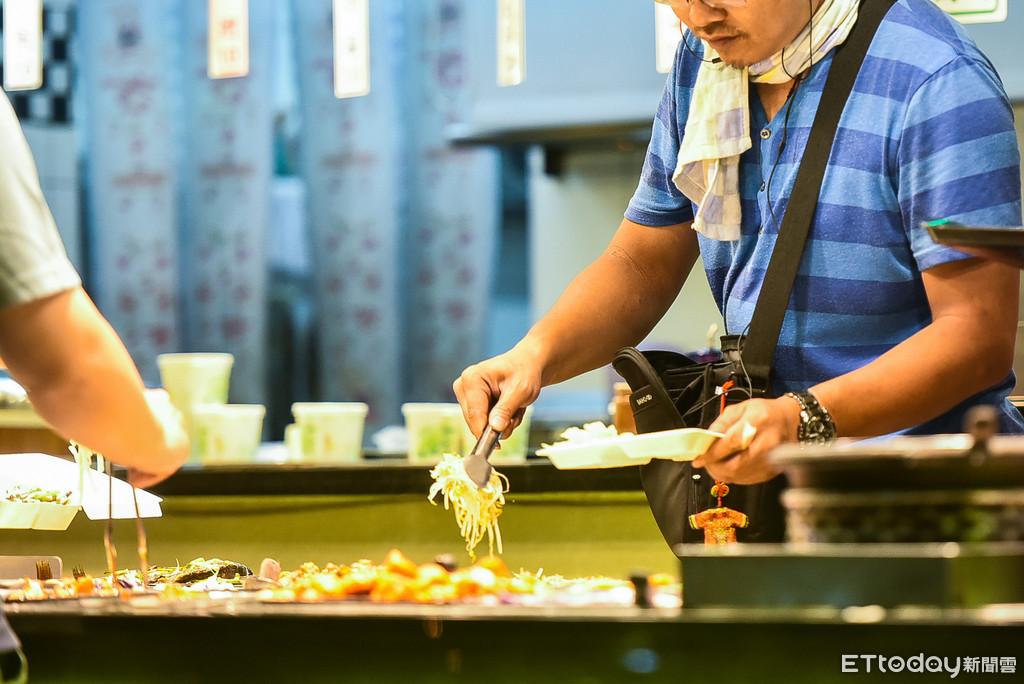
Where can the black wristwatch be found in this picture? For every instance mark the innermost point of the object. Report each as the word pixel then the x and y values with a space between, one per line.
pixel 816 424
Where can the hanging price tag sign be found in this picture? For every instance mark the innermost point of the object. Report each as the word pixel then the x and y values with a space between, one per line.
pixel 23 44
pixel 511 42
pixel 975 11
pixel 229 38
pixel 351 48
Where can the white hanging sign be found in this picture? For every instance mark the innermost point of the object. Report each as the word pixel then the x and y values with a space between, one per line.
pixel 975 11
pixel 667 34
pixel 228 38
pixel 351 48
pixel 23 44
pixel 511 42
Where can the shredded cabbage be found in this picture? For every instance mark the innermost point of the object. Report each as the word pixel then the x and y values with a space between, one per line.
pixel 476 509
pixel 588 434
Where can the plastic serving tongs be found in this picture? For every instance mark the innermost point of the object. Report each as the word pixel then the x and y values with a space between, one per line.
pixel 477 466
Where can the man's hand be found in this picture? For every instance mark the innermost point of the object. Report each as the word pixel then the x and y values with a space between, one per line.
pixel 751 429
pixel 170 455
pixel 498 390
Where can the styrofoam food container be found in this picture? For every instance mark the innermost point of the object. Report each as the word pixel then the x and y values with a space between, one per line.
pixel 627 449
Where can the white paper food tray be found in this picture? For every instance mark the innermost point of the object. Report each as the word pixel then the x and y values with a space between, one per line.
pixel 627 449
pixel 88 492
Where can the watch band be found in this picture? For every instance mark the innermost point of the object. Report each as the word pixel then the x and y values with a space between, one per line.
pixel 816 424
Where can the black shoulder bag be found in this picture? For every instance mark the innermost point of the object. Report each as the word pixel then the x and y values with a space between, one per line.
pixel 670 391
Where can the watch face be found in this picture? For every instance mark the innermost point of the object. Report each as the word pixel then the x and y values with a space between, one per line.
pixel 813 429
pixel 816 424
pixel 816 430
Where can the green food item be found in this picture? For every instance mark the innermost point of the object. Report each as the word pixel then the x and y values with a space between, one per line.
pixel 37 495
pixel 438 440
pixel 198 570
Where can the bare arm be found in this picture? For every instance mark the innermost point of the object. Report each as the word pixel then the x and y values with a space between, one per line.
pixel 1012 256
pixel 82 381
pixel 968 347
pixel 613 303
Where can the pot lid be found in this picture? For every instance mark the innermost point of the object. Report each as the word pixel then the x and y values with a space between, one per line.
pixel 920 448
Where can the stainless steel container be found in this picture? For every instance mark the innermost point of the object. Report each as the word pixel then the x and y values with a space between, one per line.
pixel 943 488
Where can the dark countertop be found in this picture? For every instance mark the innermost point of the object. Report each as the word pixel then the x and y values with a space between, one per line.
pixel 379 475
pixel 106 640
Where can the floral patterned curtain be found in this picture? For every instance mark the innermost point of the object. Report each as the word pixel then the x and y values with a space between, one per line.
pixel 127 70
pixel 402 225
pixel 227 169
pixel 351 161
pixel 454 209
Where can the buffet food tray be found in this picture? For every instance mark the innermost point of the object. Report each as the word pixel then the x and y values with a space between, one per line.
pixel 246 603
pixel 86 489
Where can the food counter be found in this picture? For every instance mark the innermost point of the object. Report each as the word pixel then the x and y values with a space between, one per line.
pixel 236 640
pixel 571 523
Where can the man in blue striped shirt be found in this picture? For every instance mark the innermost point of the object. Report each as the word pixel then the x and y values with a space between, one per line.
pixel 886 330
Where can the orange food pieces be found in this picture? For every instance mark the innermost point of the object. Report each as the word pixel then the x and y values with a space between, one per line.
pixel 391 588
pixel 661 579
pixel 431 573
pixel 397 562
pixel 474 581
pixel 328 584
pixel 495 565
pixel 432 584
pixel 85 586
pixel 360 581
pixel 399 579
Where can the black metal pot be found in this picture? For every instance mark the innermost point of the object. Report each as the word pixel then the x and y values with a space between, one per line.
pixel 943 488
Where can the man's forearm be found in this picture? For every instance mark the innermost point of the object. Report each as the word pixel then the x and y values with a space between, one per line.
pixel 966 349
pixel 81 380
pixel 614 302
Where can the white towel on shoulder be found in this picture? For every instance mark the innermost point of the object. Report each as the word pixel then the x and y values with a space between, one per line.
pixel 718 124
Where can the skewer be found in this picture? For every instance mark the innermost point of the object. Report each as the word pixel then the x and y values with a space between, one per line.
pixel 108 534
pixel 143 544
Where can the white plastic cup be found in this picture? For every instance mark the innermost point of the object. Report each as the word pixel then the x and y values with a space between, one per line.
pixel 227 433
pixel 195 378
pixel 293 443
pixel 328 431
pixel 434 429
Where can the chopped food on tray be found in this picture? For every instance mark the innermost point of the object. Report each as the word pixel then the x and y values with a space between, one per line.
pixel 22 494
pixel 396 579
pixel 199 570
pixel 487 581
pixel 476 509
pixel 197 576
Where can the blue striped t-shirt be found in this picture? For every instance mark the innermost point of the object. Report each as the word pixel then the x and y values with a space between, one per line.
pixel 927 133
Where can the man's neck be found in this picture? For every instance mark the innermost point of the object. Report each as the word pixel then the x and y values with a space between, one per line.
pixel 773 96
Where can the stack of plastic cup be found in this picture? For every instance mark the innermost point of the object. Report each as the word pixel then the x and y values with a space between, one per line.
pixel 326 432
pixel 195 379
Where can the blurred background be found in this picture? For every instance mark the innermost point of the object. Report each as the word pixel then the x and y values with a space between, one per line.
pixel 362 248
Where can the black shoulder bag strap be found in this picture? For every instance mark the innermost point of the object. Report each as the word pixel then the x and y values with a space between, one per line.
pixel 766 322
